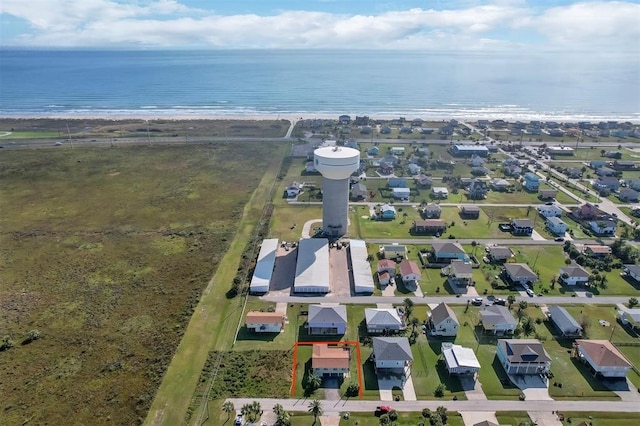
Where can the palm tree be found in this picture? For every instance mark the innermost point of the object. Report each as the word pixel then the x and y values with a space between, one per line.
pixel 315 408
pixel 278 409
pixel 228 408
pixel 314 382
pixel 511 300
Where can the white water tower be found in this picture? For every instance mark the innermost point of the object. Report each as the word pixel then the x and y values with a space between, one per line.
pixel 337 164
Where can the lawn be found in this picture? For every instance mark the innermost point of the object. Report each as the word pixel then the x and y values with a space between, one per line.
pixel 248 340
pixel 514 418
pixel 404 419
pixel 428 371
pixel 109 252
pixel 600 419
pixel 288 220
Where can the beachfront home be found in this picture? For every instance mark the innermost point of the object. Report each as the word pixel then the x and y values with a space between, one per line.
pixel 264 322
pixel 459 274
pixel 383 321
pixel 445 251
pixel 428 227
pixel 344 119
pixel 439 192
pixel 564 322
pixel 373 151
pixel 556 226
pixel 460 150
pixel 609 183
pixel 547 194
pixel 387 212
pixel 497 319
pixel 629 316
pixel 499 253
pixel 602 358
pixel 531 182
pixel 573 274
pixel 605 227
pixel 392 355
pixel 498 184
pixel 327 319
pixel 410 273
pixel 628 195
pixel 459 360
pixel 414 169
pixel 523 356
pixel 397 150
pixel 330 361
pixel 519 273
pixel 631 271
pixel 549 211
pixel 423 181
pixel 596 250
pixel 397 182
pixel 442 321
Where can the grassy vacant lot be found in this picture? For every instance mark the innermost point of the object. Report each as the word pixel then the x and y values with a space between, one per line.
pixel 106 252
pixel 512 417
pixel 52 128
pixel 404 419
pixel 600 419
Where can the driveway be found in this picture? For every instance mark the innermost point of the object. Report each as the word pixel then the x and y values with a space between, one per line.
pixel 533 387
pixel 475 417
pixel 386 385
pixel 331 388
pixel 536 236
pixel 544 418
pixel 472 388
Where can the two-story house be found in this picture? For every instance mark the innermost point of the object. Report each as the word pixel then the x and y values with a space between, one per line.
pixel 442 321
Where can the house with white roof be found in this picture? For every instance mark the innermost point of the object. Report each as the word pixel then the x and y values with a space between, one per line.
pixel 383 320
pixel 629 316
pixel 439 192
pixel 549 211
pixel 361 268
pixel 312 266
pixel 265 265
pixel 602 358
pixel 459 360
pixel 442 321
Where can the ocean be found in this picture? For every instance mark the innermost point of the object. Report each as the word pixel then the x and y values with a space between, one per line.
pixel 307 83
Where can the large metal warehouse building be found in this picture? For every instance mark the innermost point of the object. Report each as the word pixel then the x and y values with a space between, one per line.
pixel 312 266
pixel 264 266
pixel 362 276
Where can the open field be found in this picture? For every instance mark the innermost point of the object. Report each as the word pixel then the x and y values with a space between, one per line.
pixel 106 252
pixel 600 419
pixel 96 128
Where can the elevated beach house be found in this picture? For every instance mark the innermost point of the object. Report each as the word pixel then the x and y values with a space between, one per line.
pixel 327 319
pixel 442 321
pixel 523 356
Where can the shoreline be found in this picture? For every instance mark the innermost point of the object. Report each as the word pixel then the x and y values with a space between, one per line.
pixel 288 116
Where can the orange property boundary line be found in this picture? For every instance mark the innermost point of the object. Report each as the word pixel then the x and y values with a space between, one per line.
pixel 350 342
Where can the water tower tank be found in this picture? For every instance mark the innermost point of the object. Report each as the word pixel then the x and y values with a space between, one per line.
pixel 336 164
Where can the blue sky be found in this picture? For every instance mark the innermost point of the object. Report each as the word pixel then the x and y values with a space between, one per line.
pixel 434 25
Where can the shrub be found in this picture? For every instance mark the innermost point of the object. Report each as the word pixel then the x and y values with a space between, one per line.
pixel 31 336
pixel 353 389
pixel 426 413
pixel 439 391
pixel 6 343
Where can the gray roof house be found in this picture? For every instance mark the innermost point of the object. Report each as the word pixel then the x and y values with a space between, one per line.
pixel 497 319
pixel 383 320
pixel 499 253
pixel 392 354
pixel 327 319
pixel 520 273
pixel 443 321
pixel 564 322
pixel 444 250
pixel 523 356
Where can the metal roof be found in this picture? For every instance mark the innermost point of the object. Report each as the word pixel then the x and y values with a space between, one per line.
pixel 312 266
pixel 563 319
pixel 458 356
pixel 264 266
pixel 362 275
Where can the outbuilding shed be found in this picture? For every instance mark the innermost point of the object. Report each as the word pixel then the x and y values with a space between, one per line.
pixel 362 275
pixel 264 266
pixel 312 266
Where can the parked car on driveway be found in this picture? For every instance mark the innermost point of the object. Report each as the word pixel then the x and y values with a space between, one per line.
pixel 477 301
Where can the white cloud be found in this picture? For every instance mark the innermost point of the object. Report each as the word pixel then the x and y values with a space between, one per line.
pixel 502 24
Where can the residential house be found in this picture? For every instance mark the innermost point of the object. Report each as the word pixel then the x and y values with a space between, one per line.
pixel 397 150
pixel 629 316
pixel 523 356
pixel 397 182
pixel 574 274
pixel 373 151
pixel 596 250
pixel 499 253
pixel 442 321
pixel 559 150
pixel 359 191
pixel 431 211
pixel 422 151
pixel 549 211
pixel 519 273
pixel 512 169
pixel 410 273
pixel 310 167
pixel 327 319
pixel 391 159
pixel 344 119
pixel 385 130
pixel 429 227
pixel 602 358
pixel 392 355
pixel 264 322
pixel 469 150
pixel 366 130
pixel 417 122
pixel 470 212
pixel 631 271
pixel 386 271
pixel 521 226
pixel 603 227
pixel 623 165
pixel 628 195
pixel 564 322
pixel 385 168
pixel 427 130
pixel 387 212
pixel 476 161
pixel 459 274
pixel 573 172
pixel 394 251
pixel 330 361
pixel 446 130
pixel 586 211
pixel 459 360
pixel 406 130
pixel 605 171
pixel 556 226
pixel 351 143
pixel 531 182
pixel 477 190
pixel 414 169
pixel 609 183
pixel 596 164
pixel 445 251
pixel 547 194
pixel 383 321
pixel 400 193
pixel 633 184
pixel 439 192
pixel 423 181
pixel 497 319
pixel 498 184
